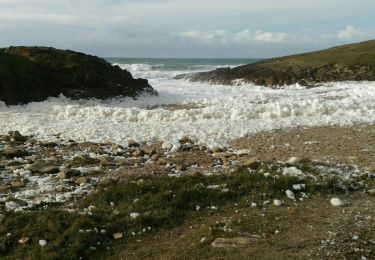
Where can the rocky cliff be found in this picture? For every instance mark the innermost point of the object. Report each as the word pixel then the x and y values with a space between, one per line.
pixel 35 73
pixel 353 62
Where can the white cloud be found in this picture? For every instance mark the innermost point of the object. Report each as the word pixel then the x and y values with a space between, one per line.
pixel 349 32
pixel 244 36
pixel 207 36
pixel 270 36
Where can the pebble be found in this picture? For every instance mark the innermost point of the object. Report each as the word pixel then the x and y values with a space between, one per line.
pixel 23 240
pixel 290 194
pixel 118 235
pixel 81 180
pixel 232 242
pixel 277 203
pixel 293 160
pixel 252 163
pixel 337 202
pixel 42 243
pixel 14 152
pixel 300 186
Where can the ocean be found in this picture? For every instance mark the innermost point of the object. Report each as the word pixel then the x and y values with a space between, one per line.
pixel 167 68
pixel 208 114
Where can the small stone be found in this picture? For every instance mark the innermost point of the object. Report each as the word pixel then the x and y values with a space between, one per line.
pixel 252 163
pixel 232 242
pixel 106 181
pixel 293 160
pixel 42 243
pixel 18 183
pixel 290 194
pixel 138 153
pixel 118 235
pixel 134 215
pixel 49 169
pixel 12 152
pixel 132 143
pixel 37 165
pixel 61 188
pixel 4 188
pixel 277 203
pixel 162 161
pixel 68 173
pixel 155 157
pixel 81 180
pixel 148 151
pixel 180 167
pixel 23 240
pixel 16 136
pixel 253 205
pixel 372 191
pixel 217 149
pixel 299 186
pixel 82 160
pixel 338 202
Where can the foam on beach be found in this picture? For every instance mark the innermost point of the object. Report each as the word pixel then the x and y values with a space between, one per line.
pixel 214 114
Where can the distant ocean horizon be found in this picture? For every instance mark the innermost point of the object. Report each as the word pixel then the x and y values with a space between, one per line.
pixel 151 68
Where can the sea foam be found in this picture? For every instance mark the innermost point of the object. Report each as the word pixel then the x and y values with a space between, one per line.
pixel 210 114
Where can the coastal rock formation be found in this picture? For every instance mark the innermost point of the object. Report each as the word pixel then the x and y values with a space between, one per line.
pixel 353 62
pixel 35 73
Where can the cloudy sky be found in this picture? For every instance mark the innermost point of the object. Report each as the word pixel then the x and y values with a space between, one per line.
pixel 186 28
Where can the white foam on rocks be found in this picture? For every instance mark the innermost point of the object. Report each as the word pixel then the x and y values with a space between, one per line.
pixel 216 115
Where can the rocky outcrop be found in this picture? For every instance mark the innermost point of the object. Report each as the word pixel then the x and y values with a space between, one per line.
pixel 355 62
pixel 35 73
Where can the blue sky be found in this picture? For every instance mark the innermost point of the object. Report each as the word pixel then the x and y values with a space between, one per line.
pixel 186 28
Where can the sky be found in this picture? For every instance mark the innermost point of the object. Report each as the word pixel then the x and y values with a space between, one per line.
pixel 186 28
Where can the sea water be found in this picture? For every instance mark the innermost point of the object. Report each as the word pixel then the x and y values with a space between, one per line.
pixel 208 114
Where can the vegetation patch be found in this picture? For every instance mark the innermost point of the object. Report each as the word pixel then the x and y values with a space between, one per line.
pixel 123 213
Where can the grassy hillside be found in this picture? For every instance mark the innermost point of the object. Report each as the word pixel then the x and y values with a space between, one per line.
pixel 352 62
pixel 350 54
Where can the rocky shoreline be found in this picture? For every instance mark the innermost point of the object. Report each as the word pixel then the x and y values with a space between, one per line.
pixel 36 174
pixel 354 62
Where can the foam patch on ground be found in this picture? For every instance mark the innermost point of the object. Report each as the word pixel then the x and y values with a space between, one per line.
pixel 222 114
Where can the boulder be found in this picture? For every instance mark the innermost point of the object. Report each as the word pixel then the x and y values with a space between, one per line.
pixel 35 73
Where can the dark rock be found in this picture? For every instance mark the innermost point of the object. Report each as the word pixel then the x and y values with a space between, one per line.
pixel 69 173
pixel 16 136
pixel 82 160
pixel 4 188
pixel 11 152
pixel 18 183
pixel 43 167
pixel 35 73
pixel 132 143
pixel 81 180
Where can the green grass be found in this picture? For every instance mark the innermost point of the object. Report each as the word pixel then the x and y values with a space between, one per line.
pixel 350 54
pixel 162 203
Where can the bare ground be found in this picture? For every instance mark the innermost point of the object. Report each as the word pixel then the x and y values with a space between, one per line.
pixel 309 230
pixel 338 145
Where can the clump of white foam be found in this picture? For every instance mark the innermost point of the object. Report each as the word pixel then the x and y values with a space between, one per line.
pixel 216 115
